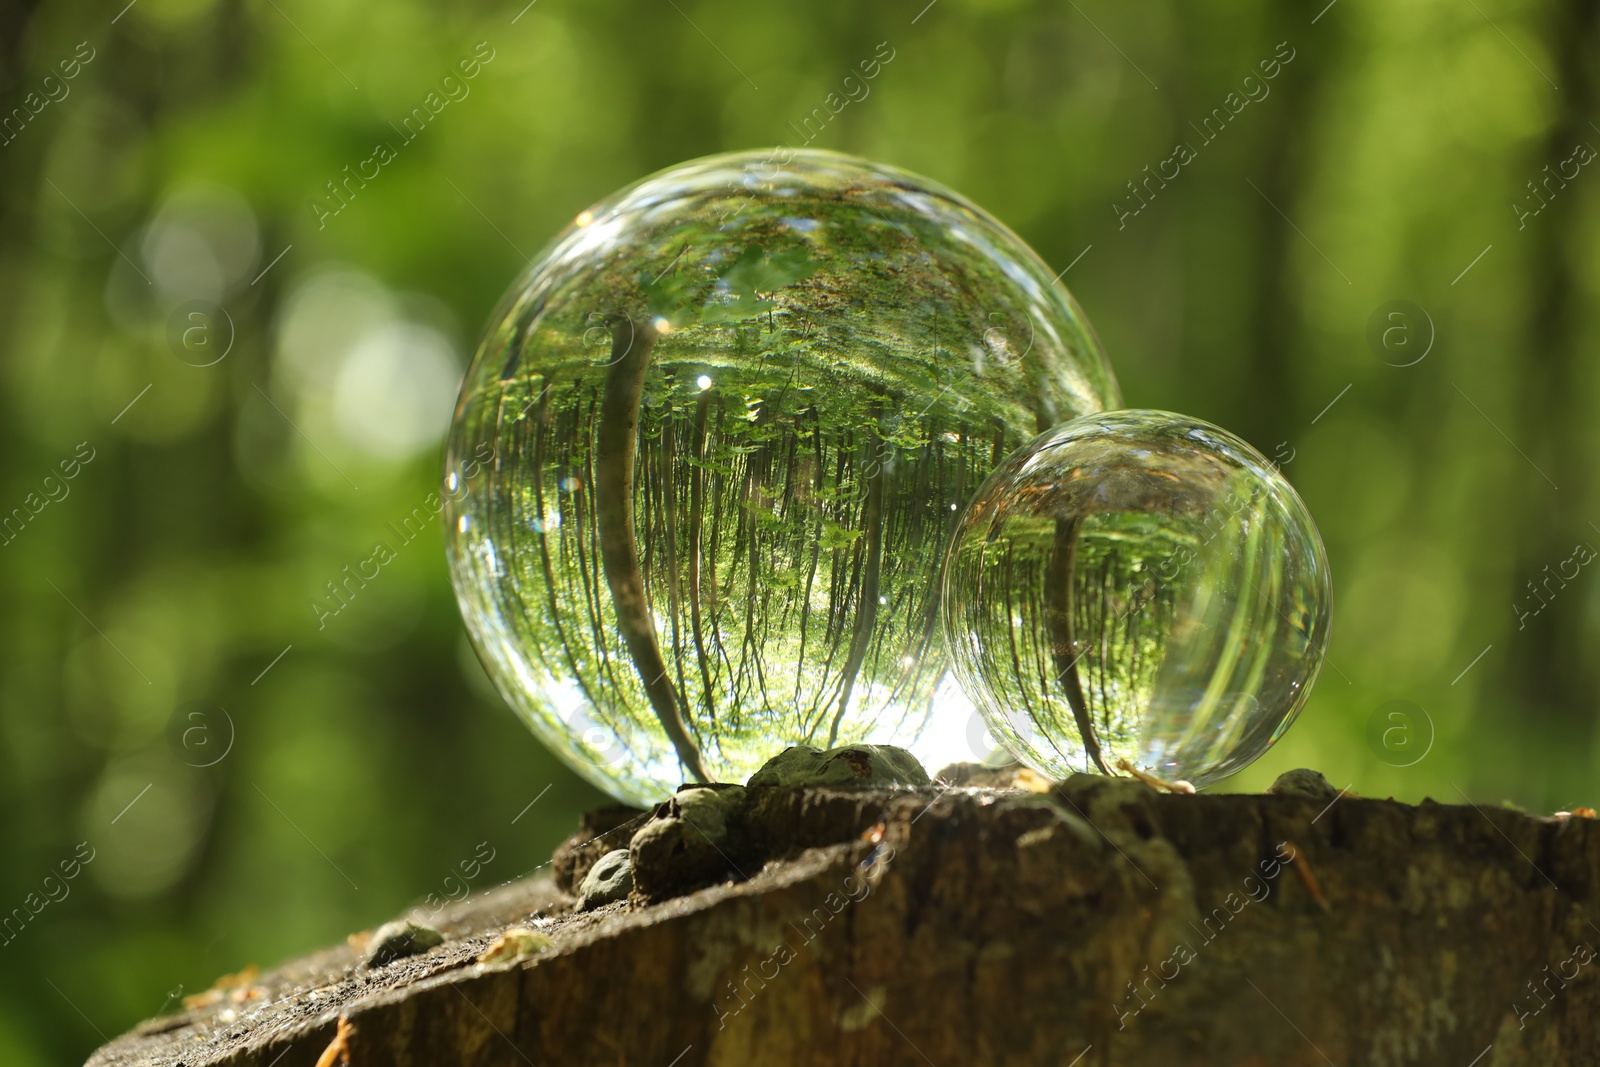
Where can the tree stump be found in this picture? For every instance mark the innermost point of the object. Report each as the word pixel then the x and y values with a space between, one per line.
pixel 1097 923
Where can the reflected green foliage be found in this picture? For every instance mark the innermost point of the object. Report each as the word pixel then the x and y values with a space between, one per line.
pixel 200 140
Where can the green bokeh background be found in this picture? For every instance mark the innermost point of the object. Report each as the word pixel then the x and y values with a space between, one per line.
pixel 372 758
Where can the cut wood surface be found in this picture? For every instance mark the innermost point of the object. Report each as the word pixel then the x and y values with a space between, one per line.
pixel 1098 923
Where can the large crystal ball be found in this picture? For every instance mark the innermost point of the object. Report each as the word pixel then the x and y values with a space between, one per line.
pixel 706 463
pixel 1137 590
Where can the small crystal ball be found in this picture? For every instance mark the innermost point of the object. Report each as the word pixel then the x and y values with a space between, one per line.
pixel 1137 590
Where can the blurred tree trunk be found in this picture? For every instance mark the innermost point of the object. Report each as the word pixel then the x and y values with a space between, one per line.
pixel 1283 170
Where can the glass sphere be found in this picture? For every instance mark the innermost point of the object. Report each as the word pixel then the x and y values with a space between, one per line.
pixel 1137 589
pixel 707 460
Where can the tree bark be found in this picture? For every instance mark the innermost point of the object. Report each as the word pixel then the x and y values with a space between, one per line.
pixel 1099 923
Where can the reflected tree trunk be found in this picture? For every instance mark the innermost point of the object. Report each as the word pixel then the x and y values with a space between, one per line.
pixel 867 602
pixel 697 502
pixel 1058 587
pixel 617 447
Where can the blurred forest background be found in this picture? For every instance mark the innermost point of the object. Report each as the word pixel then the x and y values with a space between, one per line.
pixel 250 786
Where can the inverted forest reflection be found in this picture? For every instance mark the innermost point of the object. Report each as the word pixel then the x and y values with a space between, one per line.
pixel 733 436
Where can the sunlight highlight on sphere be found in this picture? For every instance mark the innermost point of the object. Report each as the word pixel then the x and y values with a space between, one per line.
pixel 713 447
pixel 1137 586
